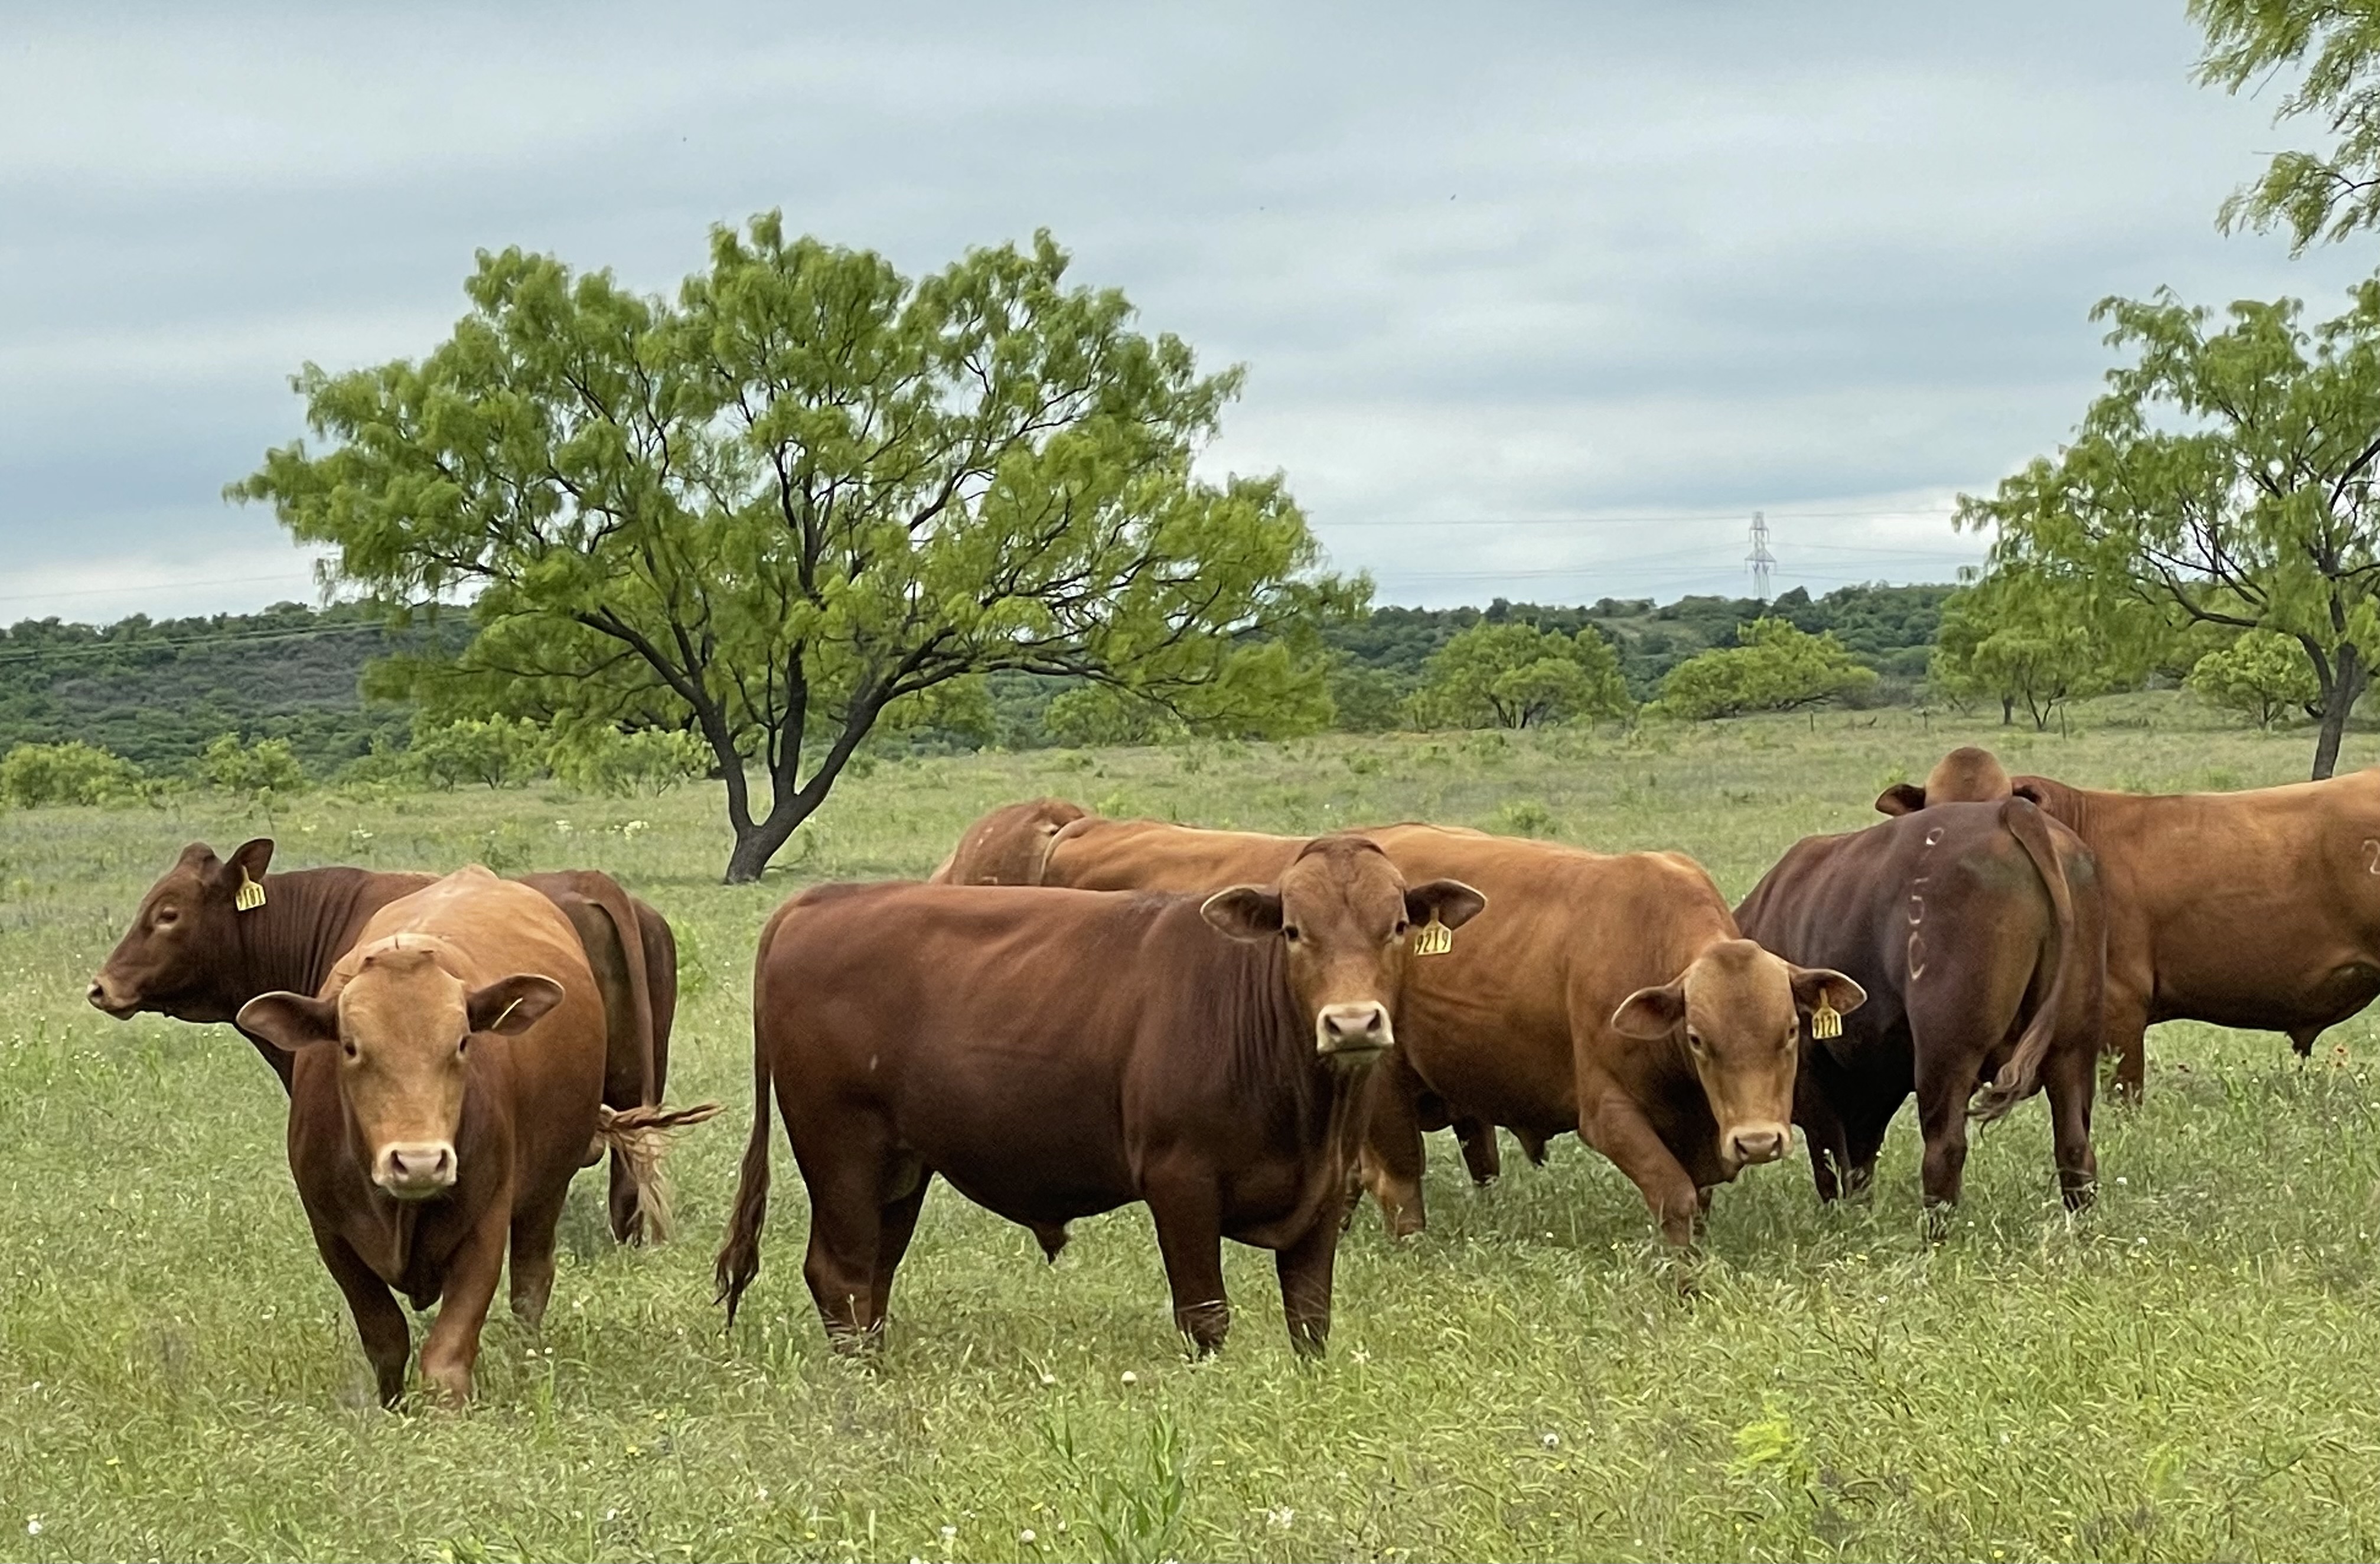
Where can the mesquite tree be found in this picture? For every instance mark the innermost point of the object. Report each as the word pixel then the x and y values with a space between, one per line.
pixel 808 496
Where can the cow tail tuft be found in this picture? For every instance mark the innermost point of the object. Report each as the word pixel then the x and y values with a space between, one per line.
pixel 2020 1076
pixel 639 1136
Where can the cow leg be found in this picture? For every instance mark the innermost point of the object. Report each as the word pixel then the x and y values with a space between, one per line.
pixel 1480 1153
pixel 379 1322
pixel 847 1210
pixel 533 1232
pixel 451 1349
pixel 2124 1034
pixel 1863 1132
pixel 1190 1237
pixel 1814 1109
pixel 2068 1078
pixel 1393 1157
pixel 2302 1039
pixel 1618 1128
pixel 1305 1269
pixel 897 1221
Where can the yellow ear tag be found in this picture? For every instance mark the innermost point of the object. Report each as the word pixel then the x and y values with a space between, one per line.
pixel 250 896
pixel 1826 1021
pixel 1433 938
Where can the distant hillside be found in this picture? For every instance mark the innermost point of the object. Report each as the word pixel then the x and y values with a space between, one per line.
pixel 157 691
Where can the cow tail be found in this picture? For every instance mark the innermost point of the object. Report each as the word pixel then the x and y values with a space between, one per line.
pixel 2020 1076
pixel 739 1255
pixel 639 1136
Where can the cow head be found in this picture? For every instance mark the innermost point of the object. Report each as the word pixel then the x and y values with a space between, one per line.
pixel 1740 1009
pixel 402 1026
pixel 1345 918
pixel 174 947
pixel 1966 775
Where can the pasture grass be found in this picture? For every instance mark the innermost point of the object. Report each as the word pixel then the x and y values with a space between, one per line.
pixel 2185 1371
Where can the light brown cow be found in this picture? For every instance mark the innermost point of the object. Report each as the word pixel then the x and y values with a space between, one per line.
pixel 2258 909
pixel 448 1082
pixel 1611 995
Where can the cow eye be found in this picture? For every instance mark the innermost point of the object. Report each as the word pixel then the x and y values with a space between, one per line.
pixel 1289 932
pixel 1694 1039
pixel 350 1050
pixel 168 915
pixel 463 1044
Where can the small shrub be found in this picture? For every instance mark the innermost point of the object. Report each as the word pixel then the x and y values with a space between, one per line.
pixel 73 772
pixel 266 767
pixel 651 760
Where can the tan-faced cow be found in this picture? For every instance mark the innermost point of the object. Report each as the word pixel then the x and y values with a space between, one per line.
pixel 2258 909
pixel 1979 931
pixel 1613 995
pixel 1056 1053
pixel 448 1081
pixel 200 948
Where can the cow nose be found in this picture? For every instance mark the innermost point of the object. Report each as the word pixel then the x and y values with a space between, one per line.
pixel 96 995
pixel 1765 1144
pixel 1353 1026
pixel 416 1168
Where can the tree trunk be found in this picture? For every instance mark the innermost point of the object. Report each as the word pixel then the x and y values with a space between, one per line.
pixel 2008 711
pixel 758 843
pixel 2346 686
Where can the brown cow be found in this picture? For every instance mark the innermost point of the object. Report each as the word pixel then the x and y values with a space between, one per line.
pixel 2258 909
pixel 448 1080
pixel 1611 996
pixel 1979 931
pixel 1055 1054
pixel 1007 846
pixel 195 954
pixel 1086 851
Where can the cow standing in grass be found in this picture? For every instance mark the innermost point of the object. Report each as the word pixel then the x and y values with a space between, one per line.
pixel 213 933
pixel 446 1083
pixel 1979 931
pixel 1055 1054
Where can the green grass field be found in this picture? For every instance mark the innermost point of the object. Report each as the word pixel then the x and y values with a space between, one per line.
pixel 2186 1372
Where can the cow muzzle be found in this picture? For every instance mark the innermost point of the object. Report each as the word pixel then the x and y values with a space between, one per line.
pixel 1758 1142
pixel 416 1170
pixel 103 997
pixel 1353 1029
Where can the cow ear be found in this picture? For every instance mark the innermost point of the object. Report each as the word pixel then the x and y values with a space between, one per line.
pixel 513 1004
pixel 1245 912
pixel 247 865
pixel 1446 901
pixel 1900 798
pixel 290 1022
pixel 1651 1014
pixel 2029 793
pixel 1816 985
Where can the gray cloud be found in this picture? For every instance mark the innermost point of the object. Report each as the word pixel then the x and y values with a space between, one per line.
pixel 1641 268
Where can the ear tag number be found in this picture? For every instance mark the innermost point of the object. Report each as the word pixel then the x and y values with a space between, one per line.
pixel 1826 1021
pixel 1433 938
pixel 250 896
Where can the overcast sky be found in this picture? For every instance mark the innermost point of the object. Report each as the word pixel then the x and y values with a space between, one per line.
pixel 1537 300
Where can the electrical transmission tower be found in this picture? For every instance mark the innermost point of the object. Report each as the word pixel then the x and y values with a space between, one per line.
pixel 1760 559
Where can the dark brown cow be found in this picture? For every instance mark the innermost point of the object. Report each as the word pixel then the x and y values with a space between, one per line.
pixel 1007 846
pixel 1055 1054
pixel 448 1080
pixel 2258 909
pixel 1611 996
pixel 1979 931
pixel 193 952
pixel 1061 845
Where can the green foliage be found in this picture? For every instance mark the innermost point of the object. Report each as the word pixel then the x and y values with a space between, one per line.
pixel 74 772
pixel 495 751
pixel 1516 675
pixel 1776 667
pixel 2334 50
pixel 2225 477
pixel 1135 1513
pixel 1366 700
pixel 2261 674
pixel 803 493
pixel 265 768
pixel 2026 637
pixel 598 758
